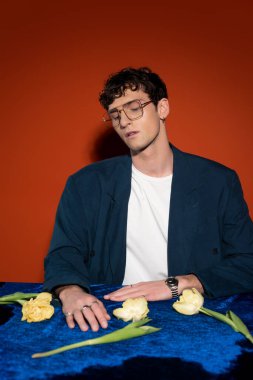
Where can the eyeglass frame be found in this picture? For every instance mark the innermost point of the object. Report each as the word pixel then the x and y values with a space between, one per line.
pixel 142 105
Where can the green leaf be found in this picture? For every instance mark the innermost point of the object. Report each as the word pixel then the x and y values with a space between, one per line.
pixel 237 321
pixel 10 298
pixel 133 330
pixel 138 323
pixel 231 319
pixel 219 316
pixel 240 326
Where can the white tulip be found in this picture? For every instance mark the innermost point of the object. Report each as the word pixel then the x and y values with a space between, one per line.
pixel 133 309
pixel 189 302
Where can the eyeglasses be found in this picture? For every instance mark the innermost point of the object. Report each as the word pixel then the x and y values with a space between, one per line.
pixel 133 111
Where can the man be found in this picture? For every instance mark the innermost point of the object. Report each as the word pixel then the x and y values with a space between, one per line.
pixel 157 221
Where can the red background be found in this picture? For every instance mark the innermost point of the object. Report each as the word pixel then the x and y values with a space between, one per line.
pixel 55 56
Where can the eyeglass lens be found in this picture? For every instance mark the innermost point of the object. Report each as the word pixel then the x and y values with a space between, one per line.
pixel 133 110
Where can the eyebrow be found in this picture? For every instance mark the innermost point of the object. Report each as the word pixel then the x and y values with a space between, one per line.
pixel 116 109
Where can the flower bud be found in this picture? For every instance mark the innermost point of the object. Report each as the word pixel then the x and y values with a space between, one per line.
pixel 38 309
pixel 189 302
pixel 133 309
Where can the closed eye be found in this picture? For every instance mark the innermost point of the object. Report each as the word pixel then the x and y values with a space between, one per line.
pixel 114 115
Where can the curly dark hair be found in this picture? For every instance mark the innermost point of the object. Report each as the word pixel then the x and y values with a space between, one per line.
pixel 134 79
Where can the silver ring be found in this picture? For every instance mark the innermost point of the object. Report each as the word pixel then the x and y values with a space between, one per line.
pixel 68 314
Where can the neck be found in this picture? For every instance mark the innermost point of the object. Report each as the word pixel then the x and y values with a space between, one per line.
pixel 155 161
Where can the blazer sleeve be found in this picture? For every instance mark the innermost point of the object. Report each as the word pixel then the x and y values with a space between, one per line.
pixel 234 272
pixel 66 261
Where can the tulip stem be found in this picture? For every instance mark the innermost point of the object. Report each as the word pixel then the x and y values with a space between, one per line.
pixel 132 330
pixel 219 316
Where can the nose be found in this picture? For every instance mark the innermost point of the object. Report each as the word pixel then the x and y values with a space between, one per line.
pixel 123 119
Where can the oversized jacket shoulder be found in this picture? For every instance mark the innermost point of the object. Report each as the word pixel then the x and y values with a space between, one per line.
pixel 104 169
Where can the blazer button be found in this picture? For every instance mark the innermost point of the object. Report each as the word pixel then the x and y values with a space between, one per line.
pixel 215 251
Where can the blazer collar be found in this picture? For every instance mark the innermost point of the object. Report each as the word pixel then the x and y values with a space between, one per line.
pixel 184 179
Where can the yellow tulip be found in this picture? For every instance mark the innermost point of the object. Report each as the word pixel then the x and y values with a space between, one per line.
pixel 133 309
pixel 189 302
pixel 38 309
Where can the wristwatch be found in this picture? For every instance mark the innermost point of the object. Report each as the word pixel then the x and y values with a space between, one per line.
pixel 172 283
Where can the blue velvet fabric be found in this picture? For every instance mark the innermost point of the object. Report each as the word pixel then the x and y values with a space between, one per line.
pixel 186 347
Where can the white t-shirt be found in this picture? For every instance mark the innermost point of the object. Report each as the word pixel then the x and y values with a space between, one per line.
pixel 147 228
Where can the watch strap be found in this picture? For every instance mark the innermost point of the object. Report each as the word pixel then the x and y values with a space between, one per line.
pixel 172 283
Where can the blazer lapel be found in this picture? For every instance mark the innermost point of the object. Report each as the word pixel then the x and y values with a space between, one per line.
pixel 184 213
pixel 117 220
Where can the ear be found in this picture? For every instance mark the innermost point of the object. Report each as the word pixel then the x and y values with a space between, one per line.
pixel 163 108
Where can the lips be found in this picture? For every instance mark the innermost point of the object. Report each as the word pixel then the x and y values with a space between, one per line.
pixel 130 134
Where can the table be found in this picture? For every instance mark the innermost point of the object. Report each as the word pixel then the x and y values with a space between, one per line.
pixel 187 347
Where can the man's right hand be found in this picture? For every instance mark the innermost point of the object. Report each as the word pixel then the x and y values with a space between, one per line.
pixel 82 308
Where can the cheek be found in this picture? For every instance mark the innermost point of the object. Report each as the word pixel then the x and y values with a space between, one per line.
pixel 152 124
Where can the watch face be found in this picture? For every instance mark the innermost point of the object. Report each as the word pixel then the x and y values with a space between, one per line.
pixel 172 281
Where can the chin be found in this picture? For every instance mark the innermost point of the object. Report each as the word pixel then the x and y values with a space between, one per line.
pixel 137 149
pixel 140 148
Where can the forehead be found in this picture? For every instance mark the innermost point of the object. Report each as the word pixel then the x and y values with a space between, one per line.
pixel 127 97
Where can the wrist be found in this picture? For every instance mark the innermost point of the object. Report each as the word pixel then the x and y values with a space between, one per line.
pixel 61 290
pixel 189 281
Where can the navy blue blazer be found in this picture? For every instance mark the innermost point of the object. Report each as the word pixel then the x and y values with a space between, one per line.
pixel 210 230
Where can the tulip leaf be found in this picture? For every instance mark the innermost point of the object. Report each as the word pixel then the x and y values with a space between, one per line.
pixel 219 316
pixel 240 326
pixel 133 330
pixel 10 298
pixel 231 319
pixel 138 323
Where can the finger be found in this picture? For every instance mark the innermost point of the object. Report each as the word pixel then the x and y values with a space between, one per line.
pixel 94 301
pixel 131 291
pixel 90 318
pixel 99 315
pixel 104 311
pixel 70 320
pixel 125 296
pixel 126 290
pixel 79 317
